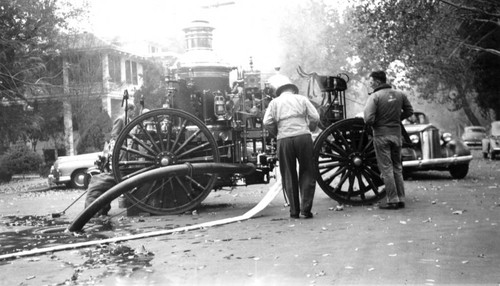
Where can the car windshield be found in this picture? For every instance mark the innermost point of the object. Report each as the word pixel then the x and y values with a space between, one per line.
pixel 495 128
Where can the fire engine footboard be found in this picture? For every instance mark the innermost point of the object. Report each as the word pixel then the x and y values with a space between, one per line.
pixel 176 170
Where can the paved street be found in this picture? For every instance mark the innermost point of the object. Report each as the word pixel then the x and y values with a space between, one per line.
pixel 447 234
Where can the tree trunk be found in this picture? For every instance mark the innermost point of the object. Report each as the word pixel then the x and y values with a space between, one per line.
pixel 469 113
pixel 67 113
pixel 497 113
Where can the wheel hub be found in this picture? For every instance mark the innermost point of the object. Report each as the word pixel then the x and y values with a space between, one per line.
pixel 165 159
pixel 355 160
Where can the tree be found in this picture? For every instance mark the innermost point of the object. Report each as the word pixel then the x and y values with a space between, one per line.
pixel 52 126
pixel 29 31
pixel 319 40
pixel 16 124
pixel 314 40
pixel 429 37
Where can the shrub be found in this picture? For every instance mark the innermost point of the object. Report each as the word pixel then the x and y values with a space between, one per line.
pixel 20 159
pixel 45 169
pixel 5 176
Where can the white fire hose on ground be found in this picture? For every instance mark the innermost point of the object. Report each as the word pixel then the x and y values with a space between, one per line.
pixel 270 195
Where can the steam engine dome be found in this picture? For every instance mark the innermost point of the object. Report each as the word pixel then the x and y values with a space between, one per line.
pixel 200 63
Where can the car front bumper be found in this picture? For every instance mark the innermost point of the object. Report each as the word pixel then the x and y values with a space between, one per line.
pixel 473 143
pixel 438 162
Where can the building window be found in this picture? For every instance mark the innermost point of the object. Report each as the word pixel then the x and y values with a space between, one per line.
pixel 115 69
pixel 134 73
pixel 131 72
pixel 128 72
pixel 85 68
pixel 153 49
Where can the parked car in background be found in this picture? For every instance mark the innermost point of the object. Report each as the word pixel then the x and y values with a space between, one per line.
pixel 72 170
pixel 431 149
pixel 491 144
pixel 473 136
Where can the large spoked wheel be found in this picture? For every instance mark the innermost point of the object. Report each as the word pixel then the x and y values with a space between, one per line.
pixel 346 166
pixel 160 138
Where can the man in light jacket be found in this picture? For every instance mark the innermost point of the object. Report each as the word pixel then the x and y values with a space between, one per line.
pixel 292 118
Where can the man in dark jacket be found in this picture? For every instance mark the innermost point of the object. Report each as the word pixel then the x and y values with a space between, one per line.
pixel 384 110
pixel 102 182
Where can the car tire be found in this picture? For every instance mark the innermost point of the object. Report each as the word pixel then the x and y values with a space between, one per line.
pixel 406 175
pixel 78 179
pixel 459 171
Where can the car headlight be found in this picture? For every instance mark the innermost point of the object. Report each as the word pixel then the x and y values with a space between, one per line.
pixel 414 139
pixel 446 137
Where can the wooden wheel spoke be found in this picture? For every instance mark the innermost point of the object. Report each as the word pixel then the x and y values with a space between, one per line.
pixel 329 179
pixel 350 188
pixel 188 140
pixel 370 182
pixel 361 185
pixel 372 172
pixel 195 182
pixel 179 135
pixel 329 166
pixel 195 149
pixel 362 139
pixel 142 144
pixel 140 171
pixel 148 134
pixel 337 149
pixel 169 135
pixel 143 192
pixel 150 191
pixel 340 136
pixel 369 149
pixel 136 152
pixel 136 163
pixel 159 132
pixel 343 179
pixel 332 156
pixel 172 195
pixel 185 188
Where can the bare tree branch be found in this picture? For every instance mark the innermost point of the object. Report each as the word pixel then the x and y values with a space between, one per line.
pixel 469 8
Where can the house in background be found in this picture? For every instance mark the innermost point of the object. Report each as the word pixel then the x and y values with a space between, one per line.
pixel 95 75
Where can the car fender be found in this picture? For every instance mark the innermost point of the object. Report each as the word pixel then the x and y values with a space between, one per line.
pixel 458 147
pixel 494 142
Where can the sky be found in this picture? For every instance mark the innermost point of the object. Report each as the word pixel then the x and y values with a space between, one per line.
pixel 243 28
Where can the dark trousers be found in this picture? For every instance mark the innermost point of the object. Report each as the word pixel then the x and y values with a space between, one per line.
pixel 290 150
pixel 388 152
pixel 98 185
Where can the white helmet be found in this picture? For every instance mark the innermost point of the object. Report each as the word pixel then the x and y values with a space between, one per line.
pixel 280 82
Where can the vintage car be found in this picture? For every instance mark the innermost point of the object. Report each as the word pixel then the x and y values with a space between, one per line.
pixel 432 150
pixel 72 170
pixel 474 135
pixel 491 144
